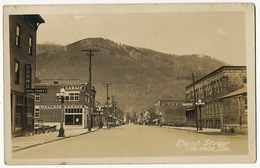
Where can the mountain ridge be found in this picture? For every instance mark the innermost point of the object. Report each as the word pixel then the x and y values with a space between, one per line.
pixel 138 76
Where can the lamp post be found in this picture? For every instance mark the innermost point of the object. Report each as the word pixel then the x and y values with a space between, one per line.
pixel 100 113
pixel 110 120
pixel 160 117
pixel 200 104
pixel 62 96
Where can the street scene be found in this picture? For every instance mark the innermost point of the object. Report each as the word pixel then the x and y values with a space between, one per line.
pixel 139 141
pixel 147 82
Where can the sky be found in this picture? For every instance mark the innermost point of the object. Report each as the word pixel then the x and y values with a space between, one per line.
pixel 219 34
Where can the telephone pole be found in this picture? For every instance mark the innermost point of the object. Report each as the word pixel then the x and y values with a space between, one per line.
pixel 89 53
pixel 107 85
pixel 195 107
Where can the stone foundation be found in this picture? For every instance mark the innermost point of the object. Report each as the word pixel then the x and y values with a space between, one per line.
pixel 234 129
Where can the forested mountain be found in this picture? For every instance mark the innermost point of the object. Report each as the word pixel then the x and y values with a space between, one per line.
pixel 139 76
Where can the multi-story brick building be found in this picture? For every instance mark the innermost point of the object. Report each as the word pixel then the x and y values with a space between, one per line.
pixel 49 111
pixel 171 112
pixel 22 29
pixel 211 90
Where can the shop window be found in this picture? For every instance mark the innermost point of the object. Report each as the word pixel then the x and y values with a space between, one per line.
pixel 37 113
pixel 17 72
pixel 19 100
pixel 17 35
pixel 37 97
pixel 18 116
pixel 30 102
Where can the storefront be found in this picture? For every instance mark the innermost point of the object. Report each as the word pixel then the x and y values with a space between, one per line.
pixel 49 109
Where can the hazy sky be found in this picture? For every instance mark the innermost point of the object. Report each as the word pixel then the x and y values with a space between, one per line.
pixel 217 34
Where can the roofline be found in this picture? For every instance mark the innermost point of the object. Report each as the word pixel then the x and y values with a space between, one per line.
pixel 214 72
pixel 39 18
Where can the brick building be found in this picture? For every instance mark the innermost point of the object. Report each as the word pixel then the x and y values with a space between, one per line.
pixel 22 29
pixel 211 90
pixel 48 109
pixel 234 112
pixel 173 112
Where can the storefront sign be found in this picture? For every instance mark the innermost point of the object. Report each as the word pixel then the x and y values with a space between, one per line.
pixel 187 104
pixel 74 106
pixel 28 81
pixel 48 106
pixel 28 76
pixel 74 88
pixel 38 90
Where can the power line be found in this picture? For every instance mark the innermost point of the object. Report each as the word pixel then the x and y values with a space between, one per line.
pixel 89 53
pixel 107 85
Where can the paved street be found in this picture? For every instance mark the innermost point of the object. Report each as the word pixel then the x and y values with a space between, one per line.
pixel 136 141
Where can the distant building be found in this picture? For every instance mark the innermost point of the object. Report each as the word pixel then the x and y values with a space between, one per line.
pixel 212 90
pixel 172 112
pixel 22 29
pixel 48 109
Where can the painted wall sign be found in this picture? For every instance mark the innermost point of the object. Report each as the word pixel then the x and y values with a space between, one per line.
pixel 48 106
pixel 74 106
pixel 74 88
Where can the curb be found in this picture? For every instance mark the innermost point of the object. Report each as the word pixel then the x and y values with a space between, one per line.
pixel 31 146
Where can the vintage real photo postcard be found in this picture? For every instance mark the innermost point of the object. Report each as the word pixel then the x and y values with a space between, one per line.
pixel 129 84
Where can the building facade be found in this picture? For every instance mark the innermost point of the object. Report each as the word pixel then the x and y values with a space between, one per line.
pixel 22 29
pixel 171 112
pixel 210 90
pixel 48 109
pixel 234 112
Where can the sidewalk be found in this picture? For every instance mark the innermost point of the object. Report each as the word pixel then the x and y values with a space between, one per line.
pixel 20 143
pixel 195 130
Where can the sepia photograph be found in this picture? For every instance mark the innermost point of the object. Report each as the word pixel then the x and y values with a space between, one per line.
pixel 101 84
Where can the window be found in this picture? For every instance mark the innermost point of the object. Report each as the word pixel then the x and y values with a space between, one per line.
pixel 37 113
pixel 30 45
pixel 17 72
pixel 73 110
pixel 17 36
pixel 245 79
pixel 37 97
pixel 245 101
pixel 73 97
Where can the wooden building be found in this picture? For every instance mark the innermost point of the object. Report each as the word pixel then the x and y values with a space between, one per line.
pixel 22 29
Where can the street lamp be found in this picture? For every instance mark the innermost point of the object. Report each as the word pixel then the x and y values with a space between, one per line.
pixel 200 104
pixel 110 120
pixel 62 96
pixel 160 117
pixel 100 113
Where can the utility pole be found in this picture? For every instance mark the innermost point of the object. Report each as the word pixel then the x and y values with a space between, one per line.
pixel 89 53
pixel 195 107
pixel 107 85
